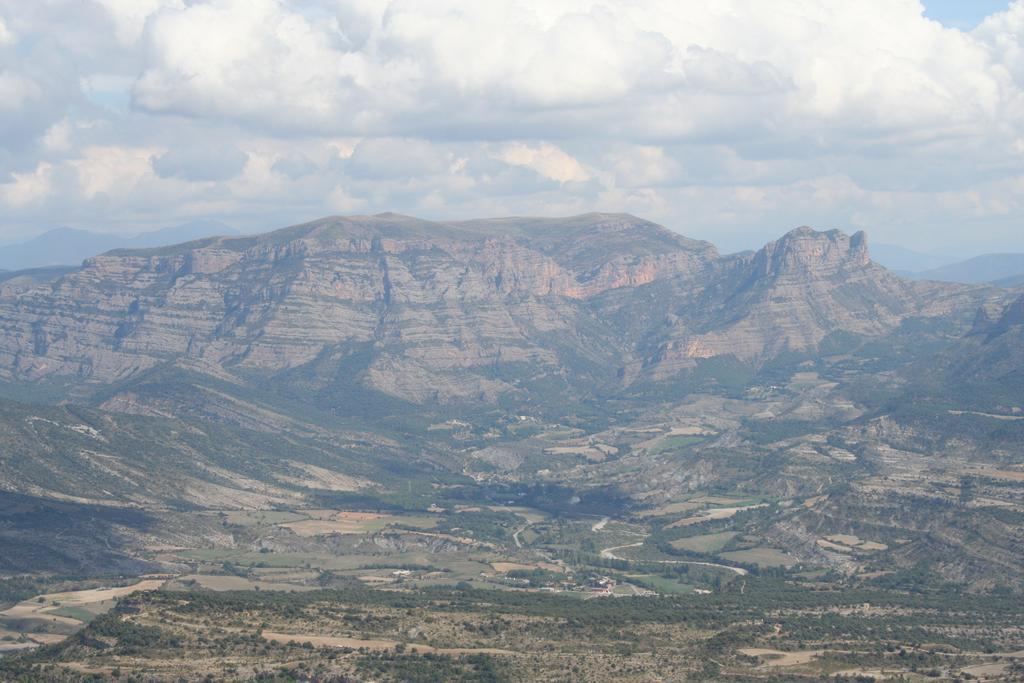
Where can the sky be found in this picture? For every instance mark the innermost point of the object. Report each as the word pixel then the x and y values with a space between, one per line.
pixel 731 121
pixel 963 14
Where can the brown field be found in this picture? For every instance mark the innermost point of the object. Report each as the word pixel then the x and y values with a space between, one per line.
pixel 335 522
pixel 34 608
pixel 593 452
pixel 689 431
pixel 217 582
pixel 835 547
pixel 717 500
pixel 707 543
pixel 806 379
pixel 324 527
pixel 848 542
pixel 12 647
pixel 48 638
pixel 461 540
pixel 713 513
pixel 992 670
pixel 321 478
pixel 670 509
pixel 376 580
pixel 764 557
pixel 780 658
pixel 994 416
pixel 505 567
pixel 284 574
pixel 356 643
pixel 529 514
pixel 94 595
pixel 256 517
pixel 1011 475
pixel 359 516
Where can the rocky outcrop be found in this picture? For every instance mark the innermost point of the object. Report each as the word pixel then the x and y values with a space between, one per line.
pixel 443 311
pixel 986 366
pixel 793 294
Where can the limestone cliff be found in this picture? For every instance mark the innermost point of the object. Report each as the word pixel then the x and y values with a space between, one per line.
pixel 449 312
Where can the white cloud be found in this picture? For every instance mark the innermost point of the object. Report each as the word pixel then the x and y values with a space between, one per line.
pixel 294 165
pixel 545 159
pixel 731 120
pixel 27 188
pixel 6 35
pixel 340 201
pixel 129 16
pixel 112 171
pixel 641 166
pixel 200 163
pixel 670 68
pixel 16 91
pixel 58 136
pixel 250 59
pixel 389 158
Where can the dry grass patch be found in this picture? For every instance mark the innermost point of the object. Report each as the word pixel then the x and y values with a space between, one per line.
pixel 846 543
pixel 345 522
pixel 994 416
pixel 1010 475
pixel 505 567
pixel 713 513
pixel 705 543
pixel 771 657
pixel 594 452
pixel 376 645
pixel 43 607
pixel 762 557
pixel 670 509
pixel 218 582
pixel 690 431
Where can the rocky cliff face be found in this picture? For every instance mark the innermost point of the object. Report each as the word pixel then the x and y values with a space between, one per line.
pixel 987 365
pixel 793 294
pixel 448 311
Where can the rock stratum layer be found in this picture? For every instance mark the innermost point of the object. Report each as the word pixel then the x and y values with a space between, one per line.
pixel 450 312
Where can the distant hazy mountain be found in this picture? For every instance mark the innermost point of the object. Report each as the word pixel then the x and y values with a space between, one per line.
pixel 69 247
pixel 902 260
pixel 1003 269
pixel 33 275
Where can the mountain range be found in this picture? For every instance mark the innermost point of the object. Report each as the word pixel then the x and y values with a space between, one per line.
pixel 448 313
pixel 1002 269
pixel 380 360
pixel 1005 270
